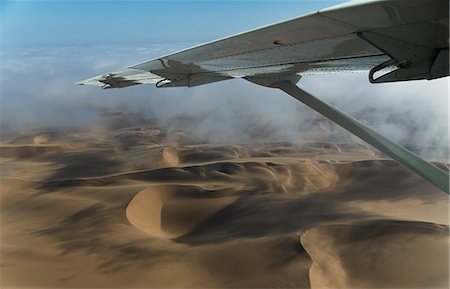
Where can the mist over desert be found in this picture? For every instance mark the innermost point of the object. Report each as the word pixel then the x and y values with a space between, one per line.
pixel 140 205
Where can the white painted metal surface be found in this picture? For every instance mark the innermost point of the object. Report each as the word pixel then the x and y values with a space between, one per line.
pixel 321 42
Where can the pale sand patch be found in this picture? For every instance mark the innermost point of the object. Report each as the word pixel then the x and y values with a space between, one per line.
pixel 170 157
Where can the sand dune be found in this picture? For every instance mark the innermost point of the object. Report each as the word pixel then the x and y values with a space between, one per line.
pixel 378 254
pixel 149 207
pixel 165 212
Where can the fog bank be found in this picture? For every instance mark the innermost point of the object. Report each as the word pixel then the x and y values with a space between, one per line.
pixel 38 90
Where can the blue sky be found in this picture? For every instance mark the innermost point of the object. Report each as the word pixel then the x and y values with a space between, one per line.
pixel 64 22
pixel 47 46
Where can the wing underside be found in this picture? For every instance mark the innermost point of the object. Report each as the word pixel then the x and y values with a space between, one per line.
pixel 408 38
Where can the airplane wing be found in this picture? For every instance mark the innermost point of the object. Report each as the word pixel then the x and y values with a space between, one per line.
pixel 399 39
pixel 395 40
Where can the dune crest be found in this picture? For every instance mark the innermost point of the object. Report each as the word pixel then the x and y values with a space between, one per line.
pixel 160 211
pixel 144 212
pixel 378 254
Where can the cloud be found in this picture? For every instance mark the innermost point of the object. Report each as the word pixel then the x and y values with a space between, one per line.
pixel 37 90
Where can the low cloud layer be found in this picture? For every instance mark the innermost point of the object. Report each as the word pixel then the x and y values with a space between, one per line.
pixel 38 90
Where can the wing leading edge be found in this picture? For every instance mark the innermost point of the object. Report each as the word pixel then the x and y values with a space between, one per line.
pixel 399 39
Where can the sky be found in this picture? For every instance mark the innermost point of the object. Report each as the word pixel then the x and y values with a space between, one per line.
pixel 81 22
pixel 47 46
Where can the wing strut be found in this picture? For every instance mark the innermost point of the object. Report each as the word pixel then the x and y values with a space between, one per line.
pixel 427 170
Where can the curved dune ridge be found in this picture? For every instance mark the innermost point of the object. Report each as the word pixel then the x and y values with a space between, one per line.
pixel 275 176
pixel 194 194
pixel 378 254
pixel 171 211
pixel 163 211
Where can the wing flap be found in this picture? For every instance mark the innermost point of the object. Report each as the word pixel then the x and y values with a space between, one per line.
pixel 122 78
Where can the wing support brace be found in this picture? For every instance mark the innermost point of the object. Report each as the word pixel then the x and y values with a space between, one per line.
pixel 425 169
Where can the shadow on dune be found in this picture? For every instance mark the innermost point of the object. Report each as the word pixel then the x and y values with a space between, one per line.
pixel 85 164
pixel 27 152
pixel 90 231
pixel 259 216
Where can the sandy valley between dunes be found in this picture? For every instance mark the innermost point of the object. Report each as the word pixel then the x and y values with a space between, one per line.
pixel 126 208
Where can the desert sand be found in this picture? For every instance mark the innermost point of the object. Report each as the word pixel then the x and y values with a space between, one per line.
pixel 153 207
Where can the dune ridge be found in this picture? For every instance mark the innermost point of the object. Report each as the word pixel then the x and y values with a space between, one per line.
pixel 378 254
pixel 132 207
